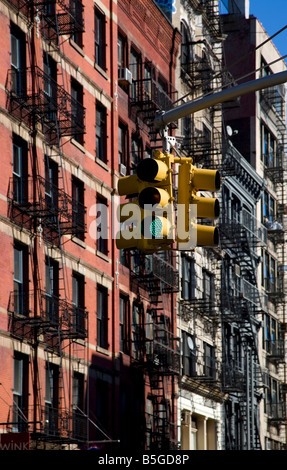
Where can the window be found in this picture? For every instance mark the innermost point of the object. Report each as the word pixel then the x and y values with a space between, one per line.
pixel 275 96
pixel 78 391
pixel 18 61
pixel 209 361
pixel 225 204
pixel 102 225
pixel 149 332
pixel 77 111
pixel 268 207
pixel 188 281
pixel 100 39
pixel 123 147
pixel 102 317
pixel 208 285
pixel 51 189
pixel 136 152
pixel 20 170
pixel 274 405
pixel 50 88
pixel 186 129
pixel 21 276
pixel 122 51
pixel 78 208
pixel 78 292
pixel 101 133
pixel 76 9
pixel 148 88
pixel 51 399
pixel 136 329
pixel 268 147
pixel 269 278
pixel 189 355
pixel 79 420
pixel 124 324
pixel 238 350
pixel 163 99
pixel 52 290
pixel 135 71
pixel 20 392
pixel 270 334
pixel 185 48
pixel 235 209
pixel 149 421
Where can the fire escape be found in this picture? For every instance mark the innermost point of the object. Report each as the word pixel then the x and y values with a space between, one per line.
pixel 201 311
pixel 150 94
pixel 275 170
pixel 203 74
pixel 44 316
pixel 242 305
pixel 156 349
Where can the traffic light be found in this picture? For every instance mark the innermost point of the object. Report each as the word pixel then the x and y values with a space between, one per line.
pixel 191 206
pixel 149 216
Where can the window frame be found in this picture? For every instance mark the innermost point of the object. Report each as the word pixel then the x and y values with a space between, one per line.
pixel 100 38
pixel 124 324
pixel 77 110
pixel 78 207
pixel 188 283
pixel 101 133
pixel 102 317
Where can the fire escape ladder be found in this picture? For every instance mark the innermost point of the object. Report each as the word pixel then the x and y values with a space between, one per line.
pixel 48 316
pixel 161 361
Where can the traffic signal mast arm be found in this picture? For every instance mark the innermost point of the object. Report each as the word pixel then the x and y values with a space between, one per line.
pixel 166 117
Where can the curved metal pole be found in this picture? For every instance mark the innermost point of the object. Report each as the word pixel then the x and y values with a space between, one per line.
pixel 191 107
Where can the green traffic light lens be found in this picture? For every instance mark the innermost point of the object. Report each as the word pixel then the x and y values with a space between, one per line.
pixel 152 227
pixel 155 228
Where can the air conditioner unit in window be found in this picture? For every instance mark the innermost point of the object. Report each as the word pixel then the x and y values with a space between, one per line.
pixel 122 169
pixel 124 76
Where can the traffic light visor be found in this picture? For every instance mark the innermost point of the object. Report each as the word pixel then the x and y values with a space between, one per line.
pixel 206 179
pixel 152 170
pixel 207 235
pixel 153 196
pixel 207 207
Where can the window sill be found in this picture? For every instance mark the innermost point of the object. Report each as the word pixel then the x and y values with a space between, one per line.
pixel 79 146
pixel 79 242
pixel 103 351
pixel 102 164
pixel 103 256
pixel 101 71
pixel 76 47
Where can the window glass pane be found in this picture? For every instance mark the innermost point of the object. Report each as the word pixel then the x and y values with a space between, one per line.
pixel 15 51
pixel 49 385
pixel 18 265
pixel 18 377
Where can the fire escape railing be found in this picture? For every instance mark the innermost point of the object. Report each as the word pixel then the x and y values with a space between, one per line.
pixel 60 16
pixel 38 198
pixel 52 313
pixel 34 94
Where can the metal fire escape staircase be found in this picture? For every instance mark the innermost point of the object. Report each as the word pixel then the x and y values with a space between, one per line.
pixel 159 355
pixel 58 425
pixel 242 308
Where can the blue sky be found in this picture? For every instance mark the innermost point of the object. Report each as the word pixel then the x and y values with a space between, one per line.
pixel 273 16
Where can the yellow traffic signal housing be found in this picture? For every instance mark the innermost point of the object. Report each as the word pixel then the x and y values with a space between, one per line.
pixel 191 206
pixel 150 216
